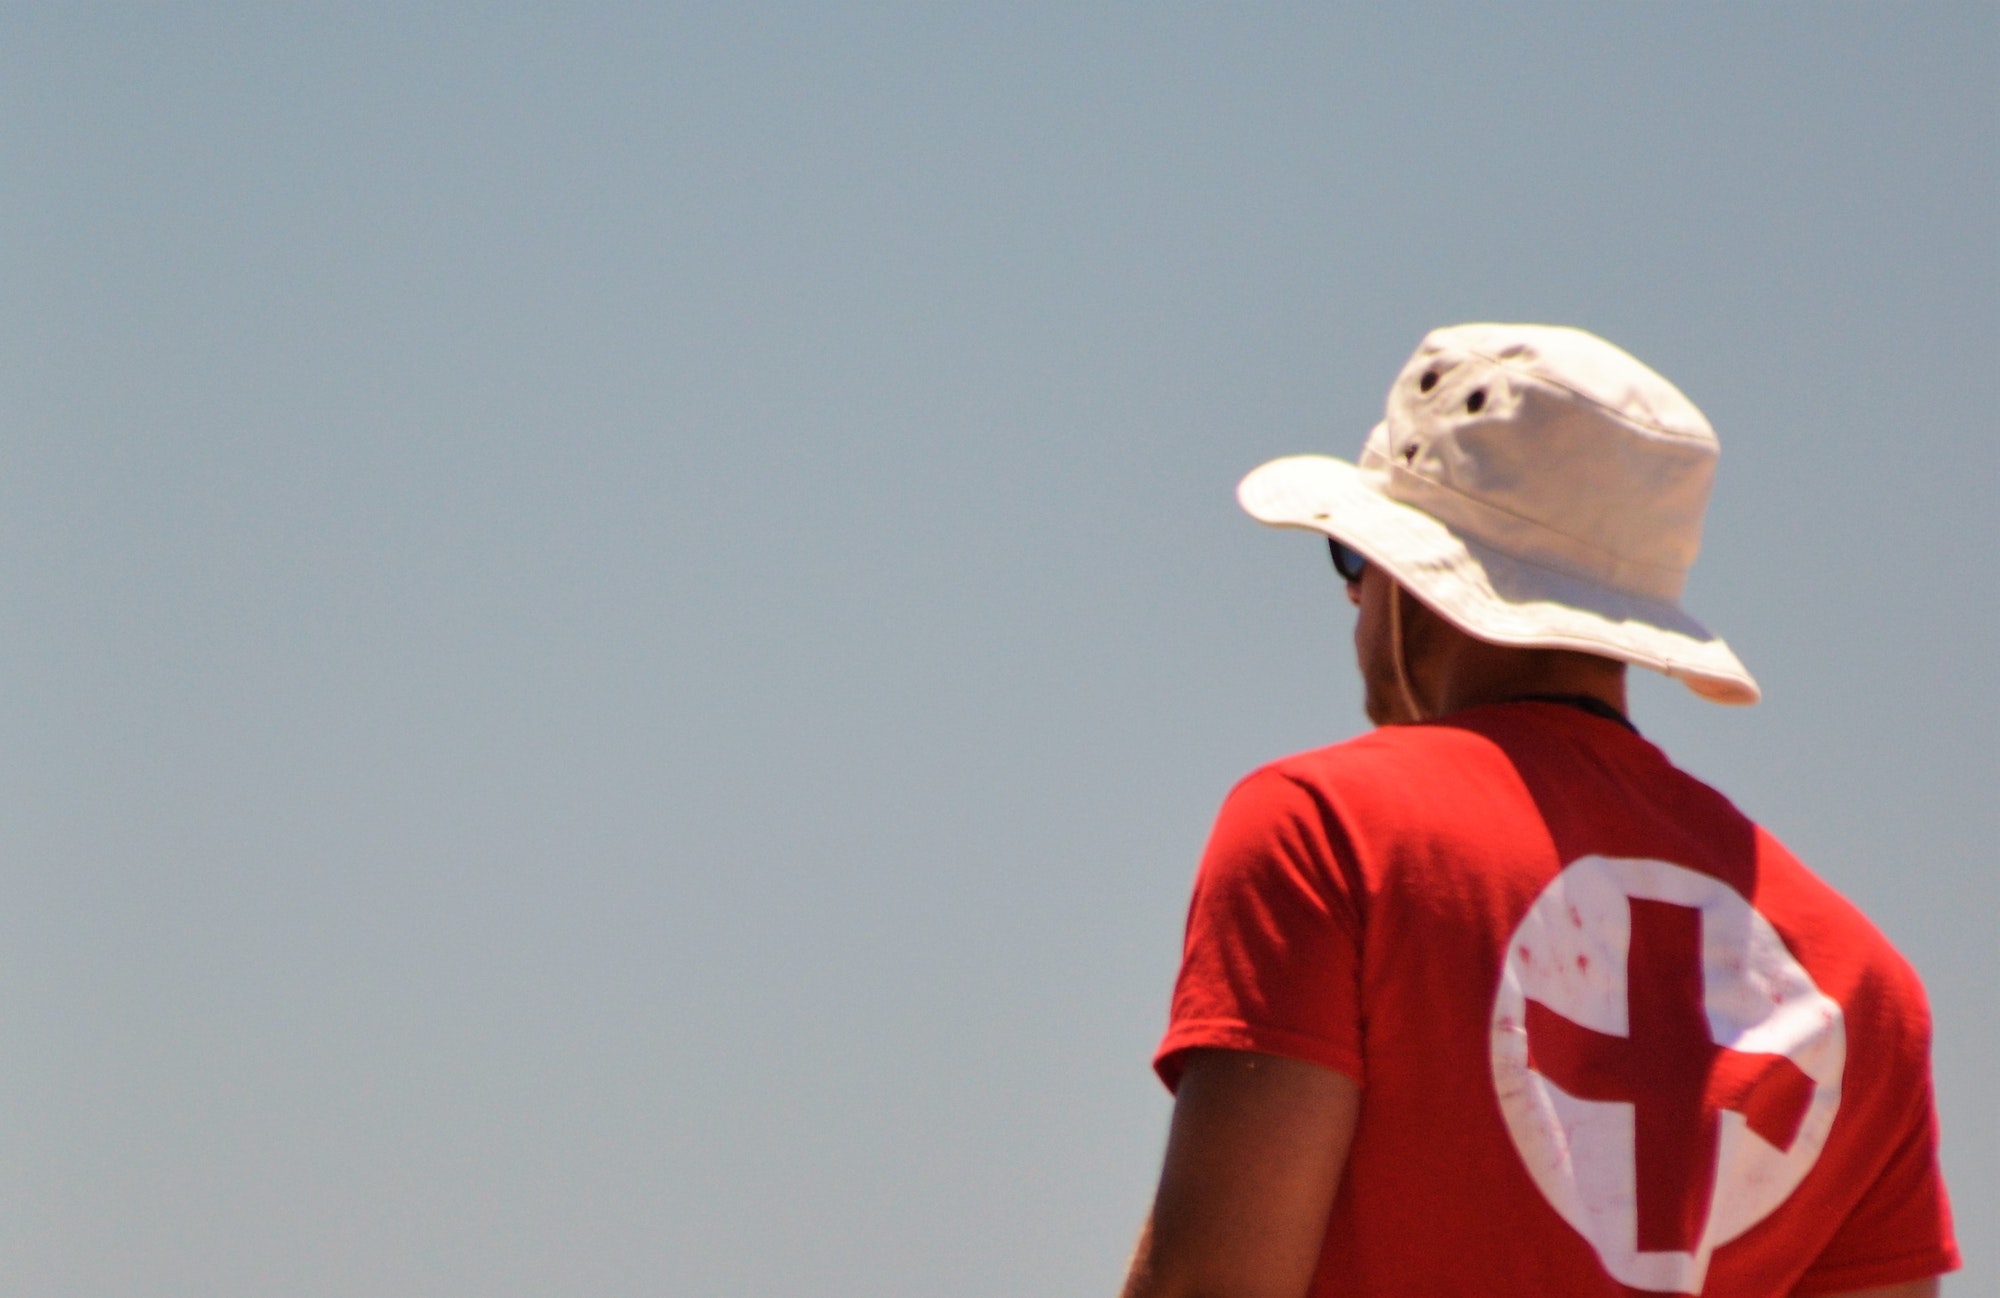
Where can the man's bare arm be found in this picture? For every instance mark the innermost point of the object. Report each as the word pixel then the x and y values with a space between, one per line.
pixel 1253 1159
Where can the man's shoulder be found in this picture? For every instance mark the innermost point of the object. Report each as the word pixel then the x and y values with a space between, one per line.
pixel 1428 758
pixel 1827 929
pixel 1393 775
pixel 1384 749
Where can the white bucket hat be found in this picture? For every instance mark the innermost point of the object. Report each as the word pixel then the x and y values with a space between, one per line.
pixel 1535 486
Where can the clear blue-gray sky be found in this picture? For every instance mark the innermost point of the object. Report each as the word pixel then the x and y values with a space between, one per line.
pixel 622 624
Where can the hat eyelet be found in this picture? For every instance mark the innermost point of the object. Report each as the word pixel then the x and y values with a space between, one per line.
pixel 1477 401
pixel 1428 381
pixel 1410 453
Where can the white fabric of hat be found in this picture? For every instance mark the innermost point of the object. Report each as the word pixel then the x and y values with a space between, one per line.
pixel 1535 485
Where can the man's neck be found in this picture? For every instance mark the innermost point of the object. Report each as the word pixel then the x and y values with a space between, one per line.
pixel 1475 673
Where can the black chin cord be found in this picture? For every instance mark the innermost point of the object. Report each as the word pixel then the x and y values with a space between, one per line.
pixel 1583 703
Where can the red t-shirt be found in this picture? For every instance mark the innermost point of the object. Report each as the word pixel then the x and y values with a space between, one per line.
pixel 1613 1038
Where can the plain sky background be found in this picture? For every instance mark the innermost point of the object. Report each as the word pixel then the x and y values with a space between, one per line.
pixel 622 624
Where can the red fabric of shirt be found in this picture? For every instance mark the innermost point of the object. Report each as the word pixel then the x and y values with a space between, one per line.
pixel 1354 909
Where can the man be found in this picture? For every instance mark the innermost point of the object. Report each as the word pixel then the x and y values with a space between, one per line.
pixel 1493 999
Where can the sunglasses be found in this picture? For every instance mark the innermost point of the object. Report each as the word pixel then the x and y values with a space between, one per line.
pixel 1349 562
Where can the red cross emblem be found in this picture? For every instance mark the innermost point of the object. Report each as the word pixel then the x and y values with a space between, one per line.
pixel 1667 1069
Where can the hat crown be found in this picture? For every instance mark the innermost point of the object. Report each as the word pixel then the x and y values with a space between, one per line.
pixel 1551 445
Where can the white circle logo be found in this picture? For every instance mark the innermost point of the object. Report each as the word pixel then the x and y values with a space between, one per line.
pixel 1669 1073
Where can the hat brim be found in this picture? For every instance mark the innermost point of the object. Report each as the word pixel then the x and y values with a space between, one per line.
pixel 1489 595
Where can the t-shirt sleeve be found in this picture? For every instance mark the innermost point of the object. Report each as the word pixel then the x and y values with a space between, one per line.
pixel 1273 951
pixel 1901 1228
